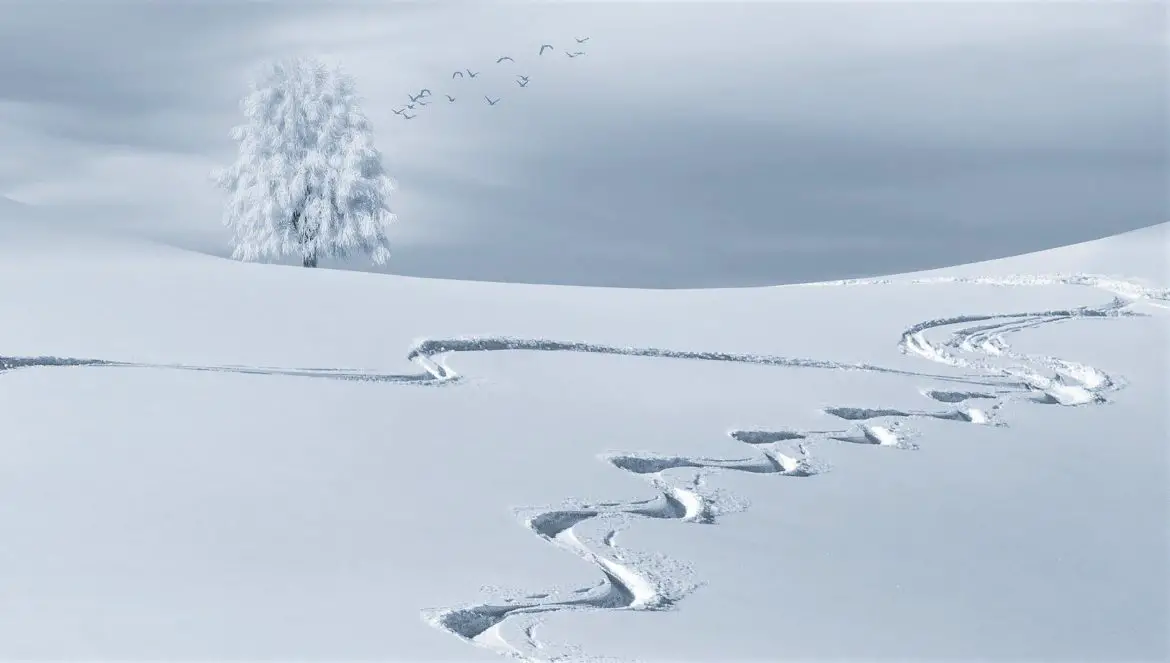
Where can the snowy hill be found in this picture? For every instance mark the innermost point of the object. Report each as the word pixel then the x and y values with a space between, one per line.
pixel 204 459
pixel 11 210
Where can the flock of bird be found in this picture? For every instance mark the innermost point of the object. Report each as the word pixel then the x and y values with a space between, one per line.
pixel 421 99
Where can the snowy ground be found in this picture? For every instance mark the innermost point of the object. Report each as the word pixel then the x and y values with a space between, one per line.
pixel 203 459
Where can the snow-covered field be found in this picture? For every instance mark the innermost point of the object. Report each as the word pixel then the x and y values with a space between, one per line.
pixel 203 459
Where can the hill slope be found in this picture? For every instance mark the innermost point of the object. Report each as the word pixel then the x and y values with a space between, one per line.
pixel 206 459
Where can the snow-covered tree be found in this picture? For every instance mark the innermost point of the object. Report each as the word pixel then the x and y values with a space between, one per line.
pixel 308 180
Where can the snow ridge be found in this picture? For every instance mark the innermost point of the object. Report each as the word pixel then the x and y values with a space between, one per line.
pixel 1122 287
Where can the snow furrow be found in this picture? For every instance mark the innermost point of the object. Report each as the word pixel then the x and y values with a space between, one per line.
pixel 624 586
pixel 426 351
pixel 357 375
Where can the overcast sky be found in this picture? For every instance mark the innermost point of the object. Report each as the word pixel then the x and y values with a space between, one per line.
pixel 694 144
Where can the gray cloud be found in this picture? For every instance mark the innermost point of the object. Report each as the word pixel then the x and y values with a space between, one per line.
pixel 910 157
pixel 126 56
pixel 695 144
pixel 135 74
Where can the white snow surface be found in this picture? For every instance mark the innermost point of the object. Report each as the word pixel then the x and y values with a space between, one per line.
pixel 204 459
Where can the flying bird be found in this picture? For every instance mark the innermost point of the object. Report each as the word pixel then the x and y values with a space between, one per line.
pixel 543 47
pixel 424 91
pixel 458 73
pixel 523 83
pixel 450 98
pixel 582 40
pixel 574 54
pixel 499 60
pixel 410 106
pixel 409 116
pixel 490 102
pixel 399 111
pixel 413 98
pixel 424 103
pixel 472 74
pixel 523 78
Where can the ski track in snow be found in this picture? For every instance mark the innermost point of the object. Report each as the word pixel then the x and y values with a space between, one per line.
pixel 992 374
pixel 428 377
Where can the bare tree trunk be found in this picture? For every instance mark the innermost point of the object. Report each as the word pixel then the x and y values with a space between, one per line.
pixel 309 258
